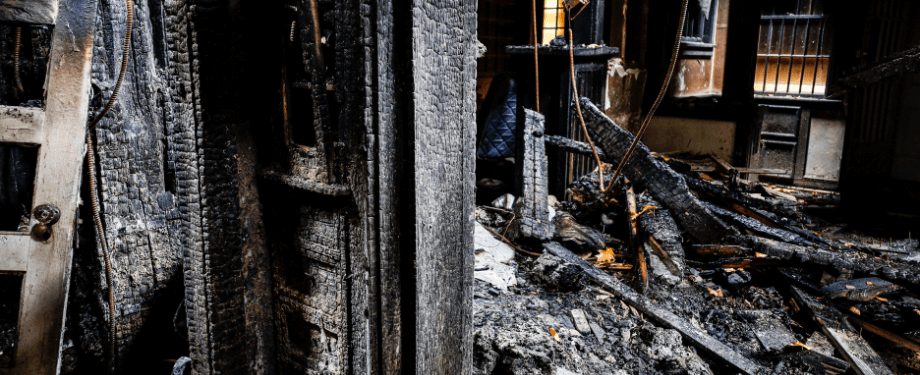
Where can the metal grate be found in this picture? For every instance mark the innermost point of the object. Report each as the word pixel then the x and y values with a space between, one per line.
pixel 587 78
pixel 794 50
pixel 700 23
pixel 553 20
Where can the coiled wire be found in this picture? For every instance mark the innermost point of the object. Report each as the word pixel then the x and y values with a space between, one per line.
pixel 91 163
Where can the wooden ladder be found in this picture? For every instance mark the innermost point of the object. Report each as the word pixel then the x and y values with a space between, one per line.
pixel 42 255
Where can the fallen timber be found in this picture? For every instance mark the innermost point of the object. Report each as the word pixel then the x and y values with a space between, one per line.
pixel 631 297
pixel 863 359
pixel 667 186
pixel 851 260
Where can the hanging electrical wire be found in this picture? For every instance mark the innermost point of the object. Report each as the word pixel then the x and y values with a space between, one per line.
pixel 648 116
pixel 125 48
pixel 91 165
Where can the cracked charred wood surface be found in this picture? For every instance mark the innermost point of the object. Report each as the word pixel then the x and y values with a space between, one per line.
pixel 699 338
pixel 148 165
pixel 707 188
pixel 851 260
pixel 664 234
pixel 756 226
pixel 531 177
pixel 848 341
pixel 443 106
pixel 666 185
pixel 571 145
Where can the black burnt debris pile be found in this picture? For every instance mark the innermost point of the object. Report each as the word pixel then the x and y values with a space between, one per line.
pixel 683 266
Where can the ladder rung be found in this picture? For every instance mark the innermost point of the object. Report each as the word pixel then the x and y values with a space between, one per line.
pixel 36 12
pixel 21 124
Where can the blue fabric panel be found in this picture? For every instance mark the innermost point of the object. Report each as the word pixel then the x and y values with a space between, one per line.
pixel 498 138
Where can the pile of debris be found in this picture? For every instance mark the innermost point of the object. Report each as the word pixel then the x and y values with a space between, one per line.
pixel 682 268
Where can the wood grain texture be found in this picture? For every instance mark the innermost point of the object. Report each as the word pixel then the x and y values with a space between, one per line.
pixel 47 273
pixel 139 143
pixel 667 186
pixel 42 12
pixel 443 116
pixel 846 338
pixel 391 181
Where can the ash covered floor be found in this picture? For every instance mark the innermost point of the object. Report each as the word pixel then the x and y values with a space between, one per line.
pixel 556 320
pixel 684 267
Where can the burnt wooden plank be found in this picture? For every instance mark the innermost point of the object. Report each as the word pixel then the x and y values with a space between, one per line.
pixel 664 235
pixel 42 12
pixel 148 136
pixel 443 106
pixel 863 359
pixel 864 289
pixel 659 314
pixel 227 336
pixel 769 330
pixel 852 260
pixel 666 185
pixel 393 206
pixel 531 177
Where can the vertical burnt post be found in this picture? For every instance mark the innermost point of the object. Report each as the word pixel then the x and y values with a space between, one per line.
pixel 426 158
pixel 531 178
pixel 443 116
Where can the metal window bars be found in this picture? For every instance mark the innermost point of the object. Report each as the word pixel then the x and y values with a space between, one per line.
pixel 699 26
pixel 793 51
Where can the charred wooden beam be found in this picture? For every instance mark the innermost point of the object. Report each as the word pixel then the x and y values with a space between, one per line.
pixel 571 145
pixel 634 246
pixel 847 340
pixel 901 340
pixel 297 182
pixel 853 260
pixel 894 65
pixel 532 180
pixel 769 329
pixel 756 226
pixel 699 338
pixel 706 188
pixel 864 289
pixel 666 185
pixel 663 234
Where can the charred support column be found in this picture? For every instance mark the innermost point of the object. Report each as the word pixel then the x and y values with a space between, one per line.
pixel 532 212
pixel 426 158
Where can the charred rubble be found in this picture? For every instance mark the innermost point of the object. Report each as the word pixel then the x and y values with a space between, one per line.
pixel 680 271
